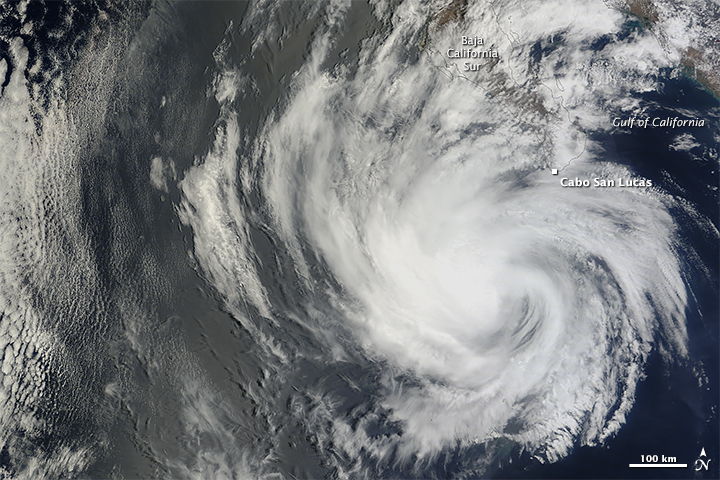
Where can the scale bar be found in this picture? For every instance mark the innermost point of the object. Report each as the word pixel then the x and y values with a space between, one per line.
pixel 662 465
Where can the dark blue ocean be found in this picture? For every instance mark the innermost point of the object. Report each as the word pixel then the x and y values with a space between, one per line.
pixel 127 334
pixel 670 416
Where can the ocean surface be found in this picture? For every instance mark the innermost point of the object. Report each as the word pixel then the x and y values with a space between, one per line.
pixel 298 240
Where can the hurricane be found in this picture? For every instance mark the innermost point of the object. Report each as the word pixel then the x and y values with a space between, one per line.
pixel 411 264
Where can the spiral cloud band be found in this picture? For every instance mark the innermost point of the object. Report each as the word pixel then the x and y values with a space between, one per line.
pixel 504 305
pixel 357 239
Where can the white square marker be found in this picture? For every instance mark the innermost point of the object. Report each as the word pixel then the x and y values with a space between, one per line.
pixel 554 171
